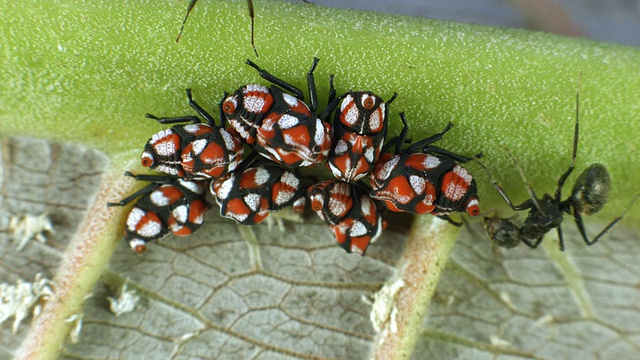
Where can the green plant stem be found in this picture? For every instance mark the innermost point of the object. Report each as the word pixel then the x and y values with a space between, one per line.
pixel 430 243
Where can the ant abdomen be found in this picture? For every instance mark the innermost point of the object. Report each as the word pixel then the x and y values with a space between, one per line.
pixel 591 190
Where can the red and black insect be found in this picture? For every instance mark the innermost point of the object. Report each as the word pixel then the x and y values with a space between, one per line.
pixel 248 194
pixel 354 218
pixel 278 125
pixel 424 178
pixel 166 205
pixel 359 131
pixel 194 150
pixel 589 194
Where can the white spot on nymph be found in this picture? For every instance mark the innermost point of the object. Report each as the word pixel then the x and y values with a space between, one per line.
pixel 199 145
pixel 252 201
pixel 388 167
pixel 290 179
pixel 225 188
pixel 319 135
pixel 181 213
pixel 192 128
pixel 417 184
pixel 345 102
pixel 192 186
pixel 341 147
pixel 253 104
pixel 289 99
pixel 454 192
pixel 357 229
pixel 369 154
pixel 336 206
pixel 335 171
pixel 199 219
pixel 375 120
pixel 431 162
pixel 158 198
pixel 366 205
pixel 262 176
pixel 378 230
pixel 463 173
pixel 167 169
pixel 283 196
pixel 160 135
pixel 287 121
pixel 229 141
pixel 255 87
pixel 274 153
pixel 135 215
pixel 150 229
pixel 165 148
pixel 134 243
pixel 351 117
pixel 236 217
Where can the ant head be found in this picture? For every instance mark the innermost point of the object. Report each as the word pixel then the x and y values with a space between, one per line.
pixel 502 231
pixel 591 190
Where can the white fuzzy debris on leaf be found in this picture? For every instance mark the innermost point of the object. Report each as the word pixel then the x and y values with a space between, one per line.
pixel 125 302
pixel 74 334
pixel 19 299
pixel 30 227
pixel 384 304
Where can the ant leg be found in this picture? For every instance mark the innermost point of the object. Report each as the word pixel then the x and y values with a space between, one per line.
pixel 580 224
pixel 200 110
pixel 277 81
pixel 560 238
pixel 527 184
pixel 449 220
pixel 174 120
pixel 524 206
pixel 533 244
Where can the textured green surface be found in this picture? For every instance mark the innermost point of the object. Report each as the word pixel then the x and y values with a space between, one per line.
pixel 89 72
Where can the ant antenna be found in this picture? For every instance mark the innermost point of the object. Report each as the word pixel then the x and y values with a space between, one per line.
pixel 252 15
pixel 566 174
pixel 191 5
pixel 527 184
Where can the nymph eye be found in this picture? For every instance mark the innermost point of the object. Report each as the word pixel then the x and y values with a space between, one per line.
pixel 229 106
pixel 368 102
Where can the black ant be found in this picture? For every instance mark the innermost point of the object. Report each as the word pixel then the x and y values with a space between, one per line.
pixel 589 194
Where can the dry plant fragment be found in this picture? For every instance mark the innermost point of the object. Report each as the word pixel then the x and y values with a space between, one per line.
pixel 27 227
pixel 125 302
pixel 19 299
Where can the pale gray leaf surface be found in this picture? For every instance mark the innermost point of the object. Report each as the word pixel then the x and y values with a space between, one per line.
pixel 39 177
pixel 232 291
pixel 538 304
